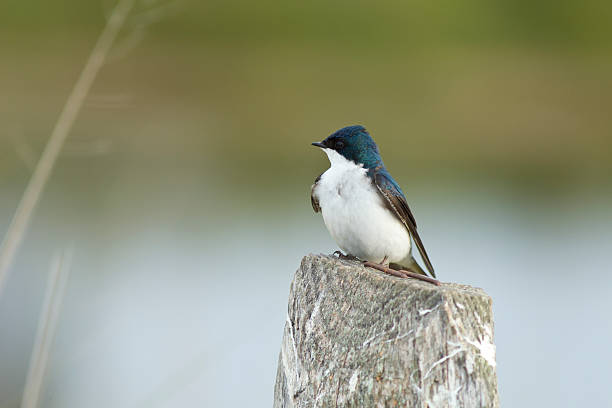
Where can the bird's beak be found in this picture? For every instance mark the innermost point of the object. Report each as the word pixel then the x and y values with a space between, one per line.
pixel 319 144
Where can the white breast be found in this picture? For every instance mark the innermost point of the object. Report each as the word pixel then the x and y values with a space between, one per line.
pixel 355 214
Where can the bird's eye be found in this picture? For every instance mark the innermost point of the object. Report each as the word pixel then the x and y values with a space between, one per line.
pixel 339 144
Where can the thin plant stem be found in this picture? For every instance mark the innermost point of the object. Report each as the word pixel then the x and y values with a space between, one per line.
pixel 40 176
pixel 47 324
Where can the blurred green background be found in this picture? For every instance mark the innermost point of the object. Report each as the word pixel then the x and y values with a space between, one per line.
pixel 184 184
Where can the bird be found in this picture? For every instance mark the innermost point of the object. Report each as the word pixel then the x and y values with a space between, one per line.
pixel 364 208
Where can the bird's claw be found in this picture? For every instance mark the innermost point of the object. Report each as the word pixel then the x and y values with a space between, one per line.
pixel 347 257
pixel 402 273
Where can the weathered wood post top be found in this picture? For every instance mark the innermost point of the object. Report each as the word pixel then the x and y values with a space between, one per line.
pixel 357 337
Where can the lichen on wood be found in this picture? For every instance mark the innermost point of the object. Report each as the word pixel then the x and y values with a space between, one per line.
pixel 356 337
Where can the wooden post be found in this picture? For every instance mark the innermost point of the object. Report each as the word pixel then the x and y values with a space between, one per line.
pixel 357 337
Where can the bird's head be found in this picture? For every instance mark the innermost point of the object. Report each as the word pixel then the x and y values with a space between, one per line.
pixel 353 143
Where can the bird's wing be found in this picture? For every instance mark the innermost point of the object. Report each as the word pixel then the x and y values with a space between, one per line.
pixel 396 202
pixel 313 199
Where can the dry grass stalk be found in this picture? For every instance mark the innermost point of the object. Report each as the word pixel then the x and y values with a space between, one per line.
pixel 42 172
pixel 47 323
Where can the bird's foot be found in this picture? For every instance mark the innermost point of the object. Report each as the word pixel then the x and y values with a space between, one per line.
pixel 402 273
pixel 346 257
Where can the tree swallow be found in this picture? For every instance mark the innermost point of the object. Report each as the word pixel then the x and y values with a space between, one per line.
pixel 363 207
